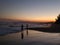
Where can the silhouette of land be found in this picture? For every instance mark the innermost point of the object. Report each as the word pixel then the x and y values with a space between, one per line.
pixel 55 27
pixel 49 30
pixel 12 27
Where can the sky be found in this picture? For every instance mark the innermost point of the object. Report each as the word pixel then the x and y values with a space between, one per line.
pixel 30 10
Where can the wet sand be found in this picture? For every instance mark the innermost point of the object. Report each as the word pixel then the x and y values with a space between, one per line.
pixel 33 38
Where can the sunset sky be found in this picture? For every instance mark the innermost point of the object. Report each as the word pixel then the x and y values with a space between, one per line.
pixel 30 10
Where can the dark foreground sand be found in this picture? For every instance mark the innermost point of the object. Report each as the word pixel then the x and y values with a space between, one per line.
pixel 33 38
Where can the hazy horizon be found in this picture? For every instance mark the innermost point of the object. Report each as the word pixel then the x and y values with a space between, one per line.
pixel 30 10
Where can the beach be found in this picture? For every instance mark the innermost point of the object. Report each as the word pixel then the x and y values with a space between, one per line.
pixel 33 38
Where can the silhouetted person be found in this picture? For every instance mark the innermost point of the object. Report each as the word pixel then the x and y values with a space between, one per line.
pixel 22 27
pixel 22 35
pixel 27 29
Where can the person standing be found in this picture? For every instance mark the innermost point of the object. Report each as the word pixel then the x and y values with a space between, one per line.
pixel 22 34
pixel 27 29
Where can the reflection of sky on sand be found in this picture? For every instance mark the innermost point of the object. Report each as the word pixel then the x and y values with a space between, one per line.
pixel 33 38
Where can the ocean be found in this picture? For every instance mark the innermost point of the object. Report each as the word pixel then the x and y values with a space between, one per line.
pixel 11 34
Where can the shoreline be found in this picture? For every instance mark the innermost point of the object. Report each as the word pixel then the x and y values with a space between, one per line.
pixel 48 30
